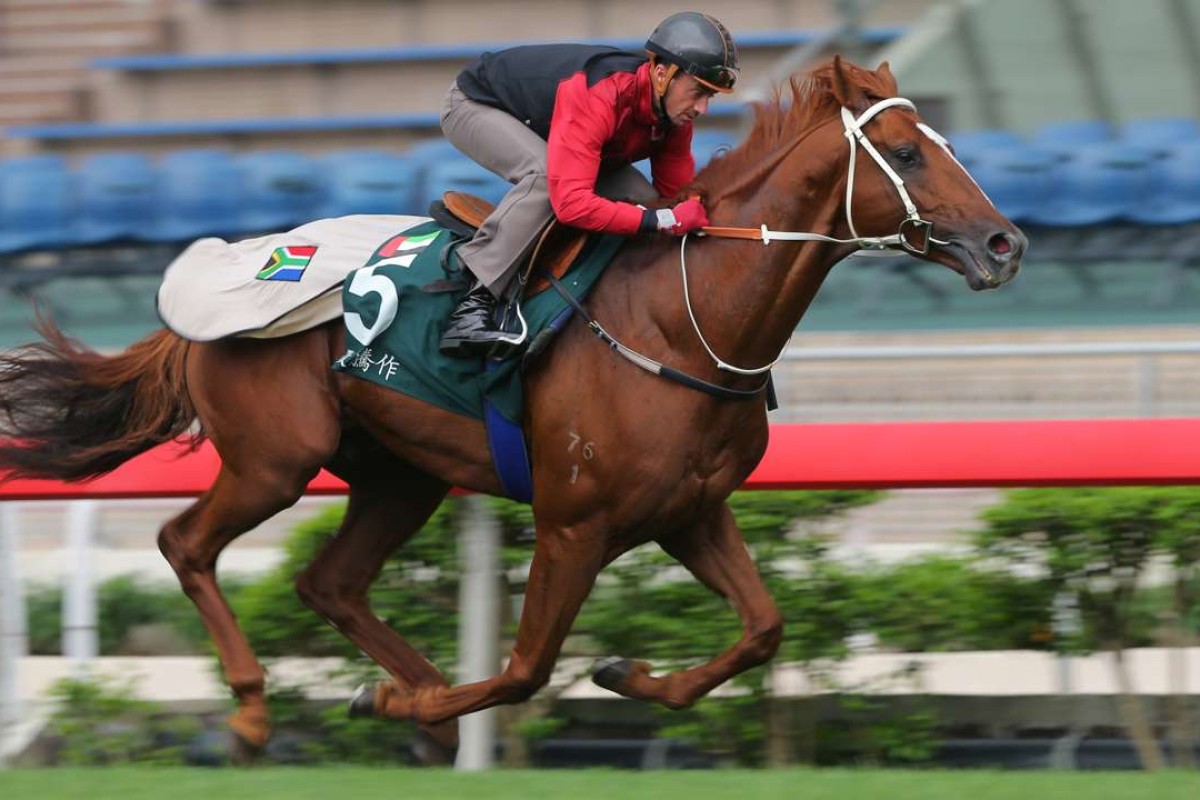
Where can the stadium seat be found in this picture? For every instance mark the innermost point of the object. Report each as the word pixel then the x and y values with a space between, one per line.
pixel 1160 132
pixel 441 167
pixel 280 190
pixel 1065 137
pixel 1173 188
pixel 199 196
pixel 1016 179
pixel 1098 183
pixel 35 204
pixel 706 144
pixel 118 198
pixel 972 146
pixel 368 182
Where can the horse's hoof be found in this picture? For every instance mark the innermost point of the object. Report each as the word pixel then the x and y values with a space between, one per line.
pixel 249 735
pixel 362 704
pixel 444 734
pixel 243 752
pixel 609 673
pixel 436 746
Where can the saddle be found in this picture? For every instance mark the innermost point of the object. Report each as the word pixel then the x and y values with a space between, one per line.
pixel 557 246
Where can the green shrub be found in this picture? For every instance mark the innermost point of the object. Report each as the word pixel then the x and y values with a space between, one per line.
pixel 100 722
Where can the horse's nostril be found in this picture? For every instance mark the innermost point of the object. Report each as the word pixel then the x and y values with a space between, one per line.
pixel 1001 244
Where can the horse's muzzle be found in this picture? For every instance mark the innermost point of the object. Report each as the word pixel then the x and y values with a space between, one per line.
pixel 986 261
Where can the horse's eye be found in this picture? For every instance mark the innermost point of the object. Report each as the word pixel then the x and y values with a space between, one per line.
pixel 905 156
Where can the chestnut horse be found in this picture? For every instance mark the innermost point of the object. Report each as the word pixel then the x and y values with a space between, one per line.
pixel 621 456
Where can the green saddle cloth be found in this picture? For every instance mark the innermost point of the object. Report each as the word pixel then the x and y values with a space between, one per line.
pixel 393 324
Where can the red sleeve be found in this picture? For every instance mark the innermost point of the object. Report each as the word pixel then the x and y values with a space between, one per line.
pixel 584 120
pixel 673 167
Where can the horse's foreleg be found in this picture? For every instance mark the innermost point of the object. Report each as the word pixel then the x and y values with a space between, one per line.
pixel 560 577
pixel 386 508
pixel 191 543
pixel 716 554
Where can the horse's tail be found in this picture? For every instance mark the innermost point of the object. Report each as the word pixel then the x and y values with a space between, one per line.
pixel 70 413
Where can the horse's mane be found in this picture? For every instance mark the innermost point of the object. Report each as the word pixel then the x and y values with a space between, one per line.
pixel 780 121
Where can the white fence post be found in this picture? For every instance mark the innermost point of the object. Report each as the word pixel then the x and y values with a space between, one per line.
pixel 80 638
pixel 478 629
pixel 14 643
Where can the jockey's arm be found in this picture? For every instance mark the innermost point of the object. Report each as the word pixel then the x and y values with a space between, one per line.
pixel 674 167
pixel 584 120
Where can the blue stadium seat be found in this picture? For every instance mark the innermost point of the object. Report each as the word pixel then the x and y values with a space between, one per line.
pixel 118 198
pixel 972 146
pixel 1065 137
pixel 199 195
pixel 441 167
pixel 706 144
pixel 280 190
pixel 1173 196
pixel 368 182
pixel 643 167
pixel 1016 179
pixel 1160 132
pixel 1099 183
pixel 35 204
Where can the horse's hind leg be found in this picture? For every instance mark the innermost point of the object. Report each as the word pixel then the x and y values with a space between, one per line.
pixel 716 554
pixel 274 428
pixel 388 504
pixel 191 543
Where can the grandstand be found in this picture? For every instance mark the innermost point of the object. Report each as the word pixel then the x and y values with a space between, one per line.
pixel 132 127
pixel 161 121
pixel 197 118
pixel 135 126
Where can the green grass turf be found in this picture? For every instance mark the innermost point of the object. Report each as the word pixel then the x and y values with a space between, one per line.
pixel 362 784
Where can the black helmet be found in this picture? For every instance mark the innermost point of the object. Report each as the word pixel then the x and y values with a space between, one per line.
pixel 698 45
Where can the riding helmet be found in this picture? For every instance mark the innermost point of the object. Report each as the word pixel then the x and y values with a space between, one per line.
pixel 700 46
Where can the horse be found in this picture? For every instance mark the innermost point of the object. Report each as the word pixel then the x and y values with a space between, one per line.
pixel 834 163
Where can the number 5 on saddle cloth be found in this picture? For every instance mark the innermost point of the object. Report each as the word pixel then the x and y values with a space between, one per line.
pixel 396 307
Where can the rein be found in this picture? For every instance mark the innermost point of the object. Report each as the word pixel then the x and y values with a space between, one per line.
pixel 911 224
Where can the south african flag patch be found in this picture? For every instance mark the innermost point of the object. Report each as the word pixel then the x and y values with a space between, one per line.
pixel 287 263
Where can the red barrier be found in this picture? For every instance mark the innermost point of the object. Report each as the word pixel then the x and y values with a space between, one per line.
pixel 819 456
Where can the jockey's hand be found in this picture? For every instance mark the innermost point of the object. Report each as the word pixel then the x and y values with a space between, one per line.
pixel 684 218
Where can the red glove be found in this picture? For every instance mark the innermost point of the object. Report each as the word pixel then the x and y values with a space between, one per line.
pixel 682 219
pixel 689 216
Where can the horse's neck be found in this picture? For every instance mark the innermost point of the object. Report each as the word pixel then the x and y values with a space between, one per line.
pixel 759 293
pixel 747 297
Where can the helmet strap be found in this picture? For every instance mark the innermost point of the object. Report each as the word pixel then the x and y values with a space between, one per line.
pixel 661 86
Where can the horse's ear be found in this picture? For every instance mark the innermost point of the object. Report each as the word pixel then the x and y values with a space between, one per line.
pixel 889 80
pixel 846 90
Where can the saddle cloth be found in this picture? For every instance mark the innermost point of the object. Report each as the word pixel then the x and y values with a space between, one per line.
pixel 271 285
pixel 393 324
pixel 379 273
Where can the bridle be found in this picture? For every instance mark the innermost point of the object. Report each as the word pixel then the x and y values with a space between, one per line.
pixel 855 136
pixel 911 224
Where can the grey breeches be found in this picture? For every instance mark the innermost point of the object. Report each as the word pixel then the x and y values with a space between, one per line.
pixel 506 146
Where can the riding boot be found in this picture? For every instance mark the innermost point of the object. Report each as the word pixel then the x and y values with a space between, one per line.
pixel 472 331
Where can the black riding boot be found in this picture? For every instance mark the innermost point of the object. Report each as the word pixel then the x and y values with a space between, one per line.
pixel 472 333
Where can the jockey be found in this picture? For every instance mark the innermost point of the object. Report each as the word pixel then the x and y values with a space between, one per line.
pixel 564 122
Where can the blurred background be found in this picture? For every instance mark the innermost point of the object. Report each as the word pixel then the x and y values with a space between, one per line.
pixel 928 626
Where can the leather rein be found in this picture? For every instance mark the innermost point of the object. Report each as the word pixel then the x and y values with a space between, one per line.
pixel 913 224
